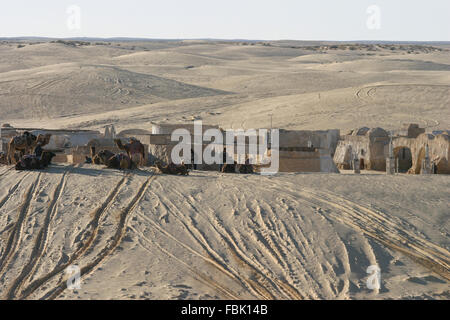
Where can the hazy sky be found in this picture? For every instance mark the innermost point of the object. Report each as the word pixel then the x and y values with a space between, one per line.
pixel 230 19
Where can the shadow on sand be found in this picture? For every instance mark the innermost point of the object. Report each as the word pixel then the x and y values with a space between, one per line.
pixel 91 170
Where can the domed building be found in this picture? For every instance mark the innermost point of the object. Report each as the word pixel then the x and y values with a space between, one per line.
pixel 411 148
pixel 367 145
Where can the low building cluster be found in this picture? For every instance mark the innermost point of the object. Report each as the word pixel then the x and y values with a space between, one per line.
pixel 408 150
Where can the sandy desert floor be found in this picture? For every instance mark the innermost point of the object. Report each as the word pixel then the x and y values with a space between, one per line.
pixel 142 235
pixel 209 236
pixel 229 84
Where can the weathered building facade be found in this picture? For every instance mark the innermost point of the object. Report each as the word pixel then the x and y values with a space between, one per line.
pixel 367 145
pixel 371 148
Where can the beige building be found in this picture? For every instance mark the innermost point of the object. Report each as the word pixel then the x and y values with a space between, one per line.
pixel 410 153
pixel 371 148
pixel 365 144
pixel 307 151
pixel 160 145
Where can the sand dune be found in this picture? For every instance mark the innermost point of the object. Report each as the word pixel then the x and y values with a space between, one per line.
pixel 53 91
pixel 208 236
pixel 141 235
pixel 166 58
pixel 373 65
pixel 113 77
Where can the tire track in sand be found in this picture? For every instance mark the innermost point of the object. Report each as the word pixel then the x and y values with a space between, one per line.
pixel 388 230
pixel 367 94
pixel 261 281
pixel 85 243
pixel 207 259
pixel 277 247
pixel 6 171
pixel 6 198
pixel 262 278
pixel 212 258
pixel 16 233
pixel 112 245
pixel 288 233
pixel 12 190
pixel 251 284
pixel 197 274
pixel 321 280
pixel 41 241
pixel 379 227
pixel 264 231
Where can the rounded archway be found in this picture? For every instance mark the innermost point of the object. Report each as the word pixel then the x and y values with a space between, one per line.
pixel 403 159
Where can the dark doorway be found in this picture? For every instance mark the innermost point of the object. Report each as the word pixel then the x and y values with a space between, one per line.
pixel 361 164
pixel 403 159
pixel 194 166
pixel 434 168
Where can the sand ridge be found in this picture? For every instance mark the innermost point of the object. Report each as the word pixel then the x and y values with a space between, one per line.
pixel 207 236
pixel 143 235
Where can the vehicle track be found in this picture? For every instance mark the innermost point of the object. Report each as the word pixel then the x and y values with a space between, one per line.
pixel 6 171
pixel 325 279
pixel 264 230
pixel 376 225
pixel 3 202
pixel 250 284
pixel 390 231
pixel 85 244
pixel 15 236
pixel 368 91
pixel 272 250
pixel 264 275
pixel 12 190
pixel 363 93
pixel 46 84
pixel 112 245
pixel 208 259
pixel 212 257
pixel 6 229
pixel 41 241
pixel 261 281
pixel 277 240
pixel 197 274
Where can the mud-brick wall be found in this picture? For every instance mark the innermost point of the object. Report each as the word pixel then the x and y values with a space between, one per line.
pixel 439 151
pixel 348 146
pixel 60 158
pixel 443 164
pixel 159 152
pixel 378 154
pixel 323 139
pixel 3 145
pixel 326 162
pixel 299 161
pixel 163 153
pixel 75 158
